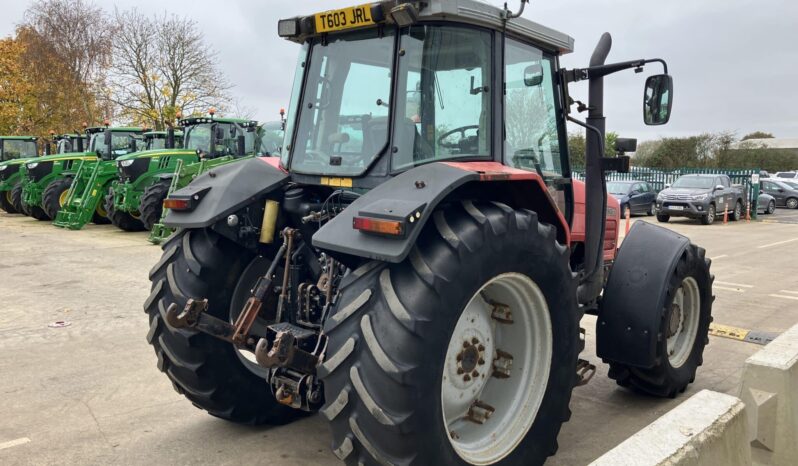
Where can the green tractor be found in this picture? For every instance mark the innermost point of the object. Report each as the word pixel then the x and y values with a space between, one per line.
pixel 257 140
pixel 14 152
pixel 137 171
pixel 73 200
pixel 47 180
pixel 145 177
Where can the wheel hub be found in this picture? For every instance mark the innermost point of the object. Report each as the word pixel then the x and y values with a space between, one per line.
pixel 472 355
pixel 676 320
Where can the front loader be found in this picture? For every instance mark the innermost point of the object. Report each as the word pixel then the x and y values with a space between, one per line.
pixel 264 143
pixel 416 264
pixel 80 192
pixel 15 151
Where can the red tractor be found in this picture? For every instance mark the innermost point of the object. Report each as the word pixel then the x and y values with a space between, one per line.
pixel 416 264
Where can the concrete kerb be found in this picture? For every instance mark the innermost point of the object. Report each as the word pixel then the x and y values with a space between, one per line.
pixel 769 389
pixel 708 428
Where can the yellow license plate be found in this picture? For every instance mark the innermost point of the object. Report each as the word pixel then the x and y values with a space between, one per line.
pixel 336 182
pixel 345 18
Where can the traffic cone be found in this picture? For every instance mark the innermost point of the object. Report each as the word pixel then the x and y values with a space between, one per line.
pixel 628 215
pixel 748 212
pixel 725 213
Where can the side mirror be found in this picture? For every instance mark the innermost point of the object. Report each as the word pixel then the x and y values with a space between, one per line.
pixel 667 185
pixel 719 187
pixel 761 192
pixel 108 138
pixel 634 193
pixel 219 136
pixel 533 75
pixel 658 99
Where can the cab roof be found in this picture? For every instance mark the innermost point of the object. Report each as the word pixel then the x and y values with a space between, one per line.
pixel 19 138
pixel 114 129
pixel 462 11
pixel 199 120
pixel 155 134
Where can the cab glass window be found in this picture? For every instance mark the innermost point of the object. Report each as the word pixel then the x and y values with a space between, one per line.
pixel 531 130
pixel 444 95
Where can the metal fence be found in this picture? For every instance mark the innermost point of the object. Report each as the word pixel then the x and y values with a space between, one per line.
pixel 658 179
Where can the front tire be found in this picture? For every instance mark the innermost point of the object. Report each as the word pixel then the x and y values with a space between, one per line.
pixel 16 200
pixel 151 207
pixel 771 207
pixel 391 343
pixel 738 211
pixel 122 220
pixel 709 218
pixel 683 334
pixel 207 371
pixel 652 209
pixel 7 202
pixel 663 218
pixel 55 195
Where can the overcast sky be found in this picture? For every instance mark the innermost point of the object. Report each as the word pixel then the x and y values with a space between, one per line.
pixel 734 62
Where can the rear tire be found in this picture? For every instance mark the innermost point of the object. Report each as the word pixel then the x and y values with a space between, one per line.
pixel 7 203
pixel 152 203
pixel 678 356
pixel 390 338
pixel 54 196
pixel 792 203
pixel 207 371
pixel 35 211
pixel 16 200
pixel 709 218
pixel 737 214
pixel 663 218
pixel 122 220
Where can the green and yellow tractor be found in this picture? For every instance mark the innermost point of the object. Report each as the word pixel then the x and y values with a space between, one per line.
pixel 48 179
pixel 15 151
pixel 145 177
pixel 74 200
pixel 267 142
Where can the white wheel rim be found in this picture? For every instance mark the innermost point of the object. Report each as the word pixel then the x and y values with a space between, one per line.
pixel 683 322
pixel 481 334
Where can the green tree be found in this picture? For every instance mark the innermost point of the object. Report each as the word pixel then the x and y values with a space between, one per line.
pixel 757 135
pixel 577 147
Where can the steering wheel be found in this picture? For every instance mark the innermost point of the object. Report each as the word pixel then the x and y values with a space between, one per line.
pixel 455 145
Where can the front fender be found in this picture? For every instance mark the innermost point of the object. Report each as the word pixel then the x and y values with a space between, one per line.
pixel 420 190
pixel 631 308
pixel 229 188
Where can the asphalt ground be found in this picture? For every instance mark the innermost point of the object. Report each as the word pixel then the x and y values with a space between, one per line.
pixel 90 393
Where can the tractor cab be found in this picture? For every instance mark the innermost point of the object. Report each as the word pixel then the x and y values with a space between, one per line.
pixel 156 140
pixel 70 143
pixel 18 147
pixel 213 137
pixel 110 143
pixel 271 137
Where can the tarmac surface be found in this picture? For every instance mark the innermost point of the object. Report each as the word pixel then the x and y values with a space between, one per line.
pixel 90 393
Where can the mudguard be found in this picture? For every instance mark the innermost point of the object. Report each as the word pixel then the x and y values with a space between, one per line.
pixel 226 189
pixel 420 190
pixel 631 308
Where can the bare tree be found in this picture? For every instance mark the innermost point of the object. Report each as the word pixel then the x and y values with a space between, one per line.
pixel 80 34
pixel 161 66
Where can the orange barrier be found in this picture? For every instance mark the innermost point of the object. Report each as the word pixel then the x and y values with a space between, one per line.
pixel 628 215
pixel 725 213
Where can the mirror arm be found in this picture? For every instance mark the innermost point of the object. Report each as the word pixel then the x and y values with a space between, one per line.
pixel 579 74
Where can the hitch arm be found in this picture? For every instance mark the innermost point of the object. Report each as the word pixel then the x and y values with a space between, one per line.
pixel 193 316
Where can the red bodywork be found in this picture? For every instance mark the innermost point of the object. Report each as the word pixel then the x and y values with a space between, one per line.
pixel 494 171
pixel 611 229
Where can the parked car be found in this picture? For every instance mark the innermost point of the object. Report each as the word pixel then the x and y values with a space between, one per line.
pixel 790 175
pixel 702 197
pixel 786 195
pixel 636 196
pixel 765 203
pixel 791 183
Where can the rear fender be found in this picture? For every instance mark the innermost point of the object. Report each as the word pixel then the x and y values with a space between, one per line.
pixel 421 190
pixel 631 308
pixel 226 189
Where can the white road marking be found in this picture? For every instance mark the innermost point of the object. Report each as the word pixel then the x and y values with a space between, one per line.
pixel 14 443
pixel 734 284
pixel 719 257
pixel 776 244
pixel 737 290
pixel 795 298
pixel 788 291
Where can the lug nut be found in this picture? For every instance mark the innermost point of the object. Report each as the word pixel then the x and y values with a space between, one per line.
pixel 475 374
pixel 466 344
pixel 460 370
pixel 481 362
pixel 474 341
pixel 466 378
pixel 481 347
